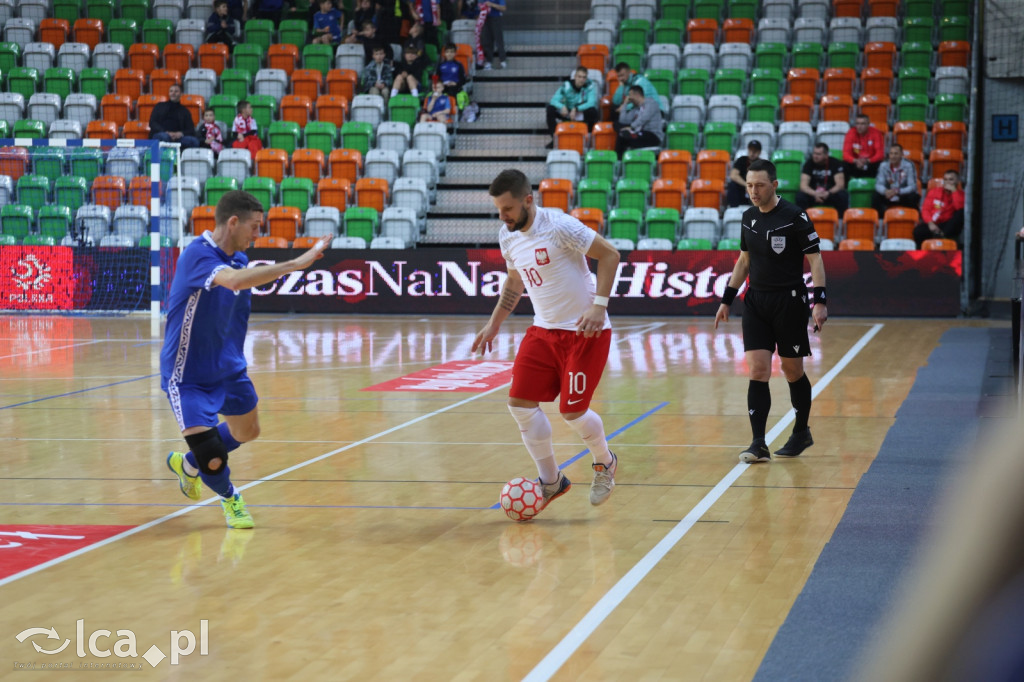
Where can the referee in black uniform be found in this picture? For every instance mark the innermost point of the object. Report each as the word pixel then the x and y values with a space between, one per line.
pixel 775 238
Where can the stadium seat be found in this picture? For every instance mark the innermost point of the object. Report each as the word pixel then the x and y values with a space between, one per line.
pixel 131 221
pixel 401 224
pixel 297 193
pixel 272 241
pixel 563 163
pixel 433 137
pixel 284 135
pixel 674 164
pixel 669 193
pixel 876 81
pixel 954 53
pixel 372 193
pixel 732 222
pixel 24 81
pixel 571 135
pixel 591 217
pixel 857 245
pixel 556 193
pixel 807 55
pixel 639 164
pixel 264 189
pixel 320 135
pixel 361 222
pixel 89 31
pixel 797 108
pixel 357 135
pixel 109 191
pixel 900 222
pixel 860 223
pixel 594 194
pixel 308 164
pixel 332 109
pixel 712 164
pixel 370 109
pixel 707 193
pixel 234 163
pixel 16 220
pixel 296 108
pixel 719 136
pixel 382 163
pixel 702 223
pixel 322 220
pixel 103 130
pixel 342 83
pixel 895 244
pixel 346 163
pixel 412 193
pixel 214 56
pixel 624 223
pixel 825 220
pixel 335 192
pixel 939 245
pixel 662 223
pixel 943 160
pixel 54 221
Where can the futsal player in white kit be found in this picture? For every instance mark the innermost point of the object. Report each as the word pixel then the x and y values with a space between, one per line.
pixel 565 350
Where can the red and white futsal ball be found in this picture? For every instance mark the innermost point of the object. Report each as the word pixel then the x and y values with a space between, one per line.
pixel 521 499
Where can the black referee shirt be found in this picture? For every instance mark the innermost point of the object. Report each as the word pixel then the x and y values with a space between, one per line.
pixel 777 242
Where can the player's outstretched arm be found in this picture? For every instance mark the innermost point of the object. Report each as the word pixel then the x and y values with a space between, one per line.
pixel 238 280
pixel 511 292
pixel 739 275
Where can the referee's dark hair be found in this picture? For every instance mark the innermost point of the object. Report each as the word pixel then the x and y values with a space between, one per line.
pixel 510 180
pixel 236 203
pixel 764 165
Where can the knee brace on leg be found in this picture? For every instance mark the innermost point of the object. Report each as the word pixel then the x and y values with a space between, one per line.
pixel 208 446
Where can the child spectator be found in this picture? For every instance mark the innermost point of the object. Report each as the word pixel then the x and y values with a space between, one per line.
pixel 452 75
pixel 221 27
pixel 245 130
pixel 436 107
pixel 409 72
pixel 377 76
pixel 208 132
pixel 327 24
pixel 367 37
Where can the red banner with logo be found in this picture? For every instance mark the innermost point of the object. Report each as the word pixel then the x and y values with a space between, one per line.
pixel 36 277
pixel 22 547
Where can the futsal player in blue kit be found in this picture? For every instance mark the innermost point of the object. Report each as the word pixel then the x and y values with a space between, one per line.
pixel 202 364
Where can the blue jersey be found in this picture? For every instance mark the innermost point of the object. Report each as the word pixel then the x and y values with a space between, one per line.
pixel 331 20
pixel 206 324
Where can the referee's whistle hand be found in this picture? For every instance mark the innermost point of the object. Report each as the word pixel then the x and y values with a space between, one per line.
pixel 722 315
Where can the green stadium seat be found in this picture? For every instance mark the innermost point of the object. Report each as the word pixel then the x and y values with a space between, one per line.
pixel 216 187
pixel 682 135
pixel 662 223
pixel 264 110
pixel 676 10
pixel 24 80
pixel 293 32
pixel 770 56
pixel 322 135
pixel 34 191
pixel 70 191
pixel 662 80
pixel 861 192
pixel 136 10
pixel 158 32
pixel 284 135
pixel 631 54
pixel 264 189
pixel 694 245
pixel 10 56
pixel 402 108
pixel 147 238
pixel 361 222
pixel 357 135
pixel 913 80
pixel 594 193
pixel 16 220
pixel 719 135
pixel 919 8
pixel 248 56
pixel 915 53
pixel 225 107
pixel 260 32
pixel 8 239
pixel 632 193
pixel 297 193
pixel 100 9
pixel 48 161
pixel 954 8
pixel 601 164
pixel 807 55
pixel 60 81
pixel 5 130
pixel 708 9
pixel 55 221
pixel 95 82
pixel 766 81
pixel 843 55
pixel 763 108
pixel 237 82
pixel 319 57
pixel 728 244
pixel 39 240
pixel 639 164
pixel 69 10
pixel 919 29
pixel 693 82
pixel 635 32
pixel 788 163
pixel 743 9
pixel 29 128
pixel 954 28
pixel 950 107
pixel 669 31
pixel 730 82
pixel 124 32
pixel 624 223
pixel 912 107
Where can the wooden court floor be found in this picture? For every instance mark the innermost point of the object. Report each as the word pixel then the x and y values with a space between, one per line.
pixel 378 554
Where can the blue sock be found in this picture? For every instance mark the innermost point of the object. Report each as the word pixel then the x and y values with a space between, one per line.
pixel 225 436
pixel 219 482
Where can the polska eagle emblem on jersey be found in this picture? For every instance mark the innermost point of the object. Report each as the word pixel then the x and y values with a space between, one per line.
pixel 542 256
pixel 778 244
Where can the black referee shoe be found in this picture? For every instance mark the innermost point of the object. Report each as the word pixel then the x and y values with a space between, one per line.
pixel 757 452
pixel 797 443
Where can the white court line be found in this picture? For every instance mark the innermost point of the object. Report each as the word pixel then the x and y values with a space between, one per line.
pixel 52 348
pixel 181 512
pixel 550 664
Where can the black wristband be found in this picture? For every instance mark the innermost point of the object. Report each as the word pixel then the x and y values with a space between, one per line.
pixel 819 295
pixel 730 295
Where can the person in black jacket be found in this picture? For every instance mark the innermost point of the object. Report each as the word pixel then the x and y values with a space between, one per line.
pixel 171 121
pixel 221 27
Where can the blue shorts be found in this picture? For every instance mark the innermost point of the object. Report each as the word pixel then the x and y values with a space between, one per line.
pixel 195 405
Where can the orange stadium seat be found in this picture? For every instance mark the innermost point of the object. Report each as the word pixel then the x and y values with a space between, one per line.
pixel 916 157
pixel 196 105
pixel 284 222
pixel 803 82
pixel 882 8
pixel 89 31
pixel 949 134
pixel 707 193
pixel 835 108
pixel 307 83
pixel 143 57
pixel 876 81
pixel 713 164
pixel 372 193
pixel 943 160
pixel 346 164
pixel 116 108
pixel 880 55
pixel 336 192
pixel 101 130
pixel 669 193
pixel 272 163
pixel 160 81
pixel 737 30
pixel 271 242
pixel 939 245
pixel 556 193
pixel 825 220
pixel 54 31
pixel 846 8
pixel 857 245
pixel 674 164
pixel 955 53
pixel 308 163
pixel 13 162
pixel 332 109
pixel 604 136
pixel 797 108
pixel 861 223
pixel 139 191
pixel 283 56
pixel 910 134
pixel 203 218
pixel 593 56
pixel 876 107
pixel 129 82
pixel 701 31
pixel 136 130
pixel 297 109
pixel 342 83
pixel 146 104
pixel 213 56
pixel 464 54
pixel 611 80
pixel 591 217
pixel 839 81
pixel 571 135
pixel 109 191
pixel 900 222
pixel 179 57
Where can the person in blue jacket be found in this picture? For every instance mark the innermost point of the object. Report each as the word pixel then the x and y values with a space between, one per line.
pixel 576 100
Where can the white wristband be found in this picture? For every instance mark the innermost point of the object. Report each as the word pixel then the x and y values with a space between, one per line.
pixel 601 300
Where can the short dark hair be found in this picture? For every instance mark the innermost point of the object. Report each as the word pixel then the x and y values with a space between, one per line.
pixel 897 145
pixel 822 146
pixel 580 68
pixel 510 180
pixel 623 65
pixel 862 116
pixel 218 3
pixel 763 165
pixel 449 46
pixel 236 203
pixel 242 103
pixel 636 89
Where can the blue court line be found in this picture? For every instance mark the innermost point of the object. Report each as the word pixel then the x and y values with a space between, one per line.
pixel 614 433
pixel 282 506
pixel 83 390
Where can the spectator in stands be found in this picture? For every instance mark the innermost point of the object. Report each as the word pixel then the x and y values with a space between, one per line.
pixel 245 130
pixel 378 75
pixel 863 148
pixel 452 75
pixel 736 191
pixel 490 29
pixel 642 125
pixel 576 100
pixel 367 37
pixel 208 133
pixel 268 9
pixel 627 78
pixel 302 10
pixel 896 183
pixel 221 27
pixel 416 38
pixel 427 13
pixel 327 24
pixel 436 107
pixel 942 212
pixel 823 182
pixel 171 121
pixel 409 72
pixel 239 10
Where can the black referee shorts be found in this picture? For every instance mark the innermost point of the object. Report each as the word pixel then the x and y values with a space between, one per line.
pixel 777 319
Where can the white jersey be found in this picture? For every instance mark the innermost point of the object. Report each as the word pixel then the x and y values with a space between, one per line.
pixel 550 258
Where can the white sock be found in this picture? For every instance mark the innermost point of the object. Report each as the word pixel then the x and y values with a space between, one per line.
pixel 536 430
pixel 188 468
pixel 591 429
pixel 415 92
